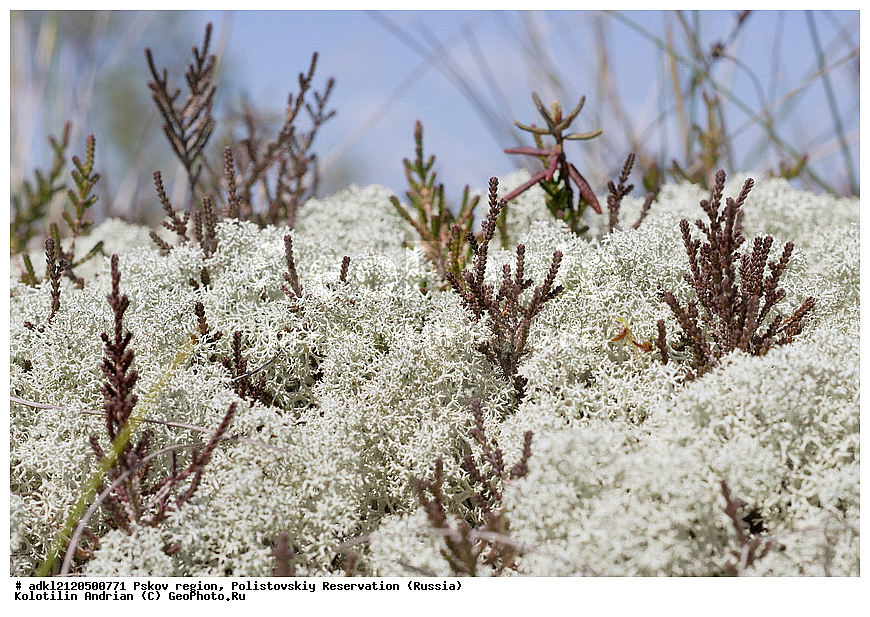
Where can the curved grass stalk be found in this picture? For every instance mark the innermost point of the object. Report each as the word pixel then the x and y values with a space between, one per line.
pixel 191 427
pixel 108 461
pixel 83 521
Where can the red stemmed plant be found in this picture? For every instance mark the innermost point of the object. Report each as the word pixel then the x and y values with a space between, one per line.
pixel 554 178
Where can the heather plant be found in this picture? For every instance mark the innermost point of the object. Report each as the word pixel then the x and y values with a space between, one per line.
pixel 237 365
pixel 119 402
pixel 81 197
pixel 462 551
pixel 129 502
pixel 491 547
pixel 616 193
pixel 177 224
pixel 488 494
pixel 53 268
pixel 509 319
pixel 188 124
pixel 291 276
pixel 734 316
pixel 58 259
pixel 283 170
pixel 203 229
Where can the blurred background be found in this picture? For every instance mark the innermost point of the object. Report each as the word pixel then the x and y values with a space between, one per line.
pixel 688 92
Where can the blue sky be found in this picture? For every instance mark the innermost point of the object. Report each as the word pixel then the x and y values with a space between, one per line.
pixel 387 77
pixel 468 74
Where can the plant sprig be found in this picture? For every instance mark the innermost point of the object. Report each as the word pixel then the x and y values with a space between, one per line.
pixel 442 233
pixel 557 172
pixel 283 169
pixel 29 205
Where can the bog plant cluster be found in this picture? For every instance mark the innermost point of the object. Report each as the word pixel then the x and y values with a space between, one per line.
pixel 362 386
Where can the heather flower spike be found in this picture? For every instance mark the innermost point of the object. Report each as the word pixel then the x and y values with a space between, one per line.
pixel 560 196
pixel 616 192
